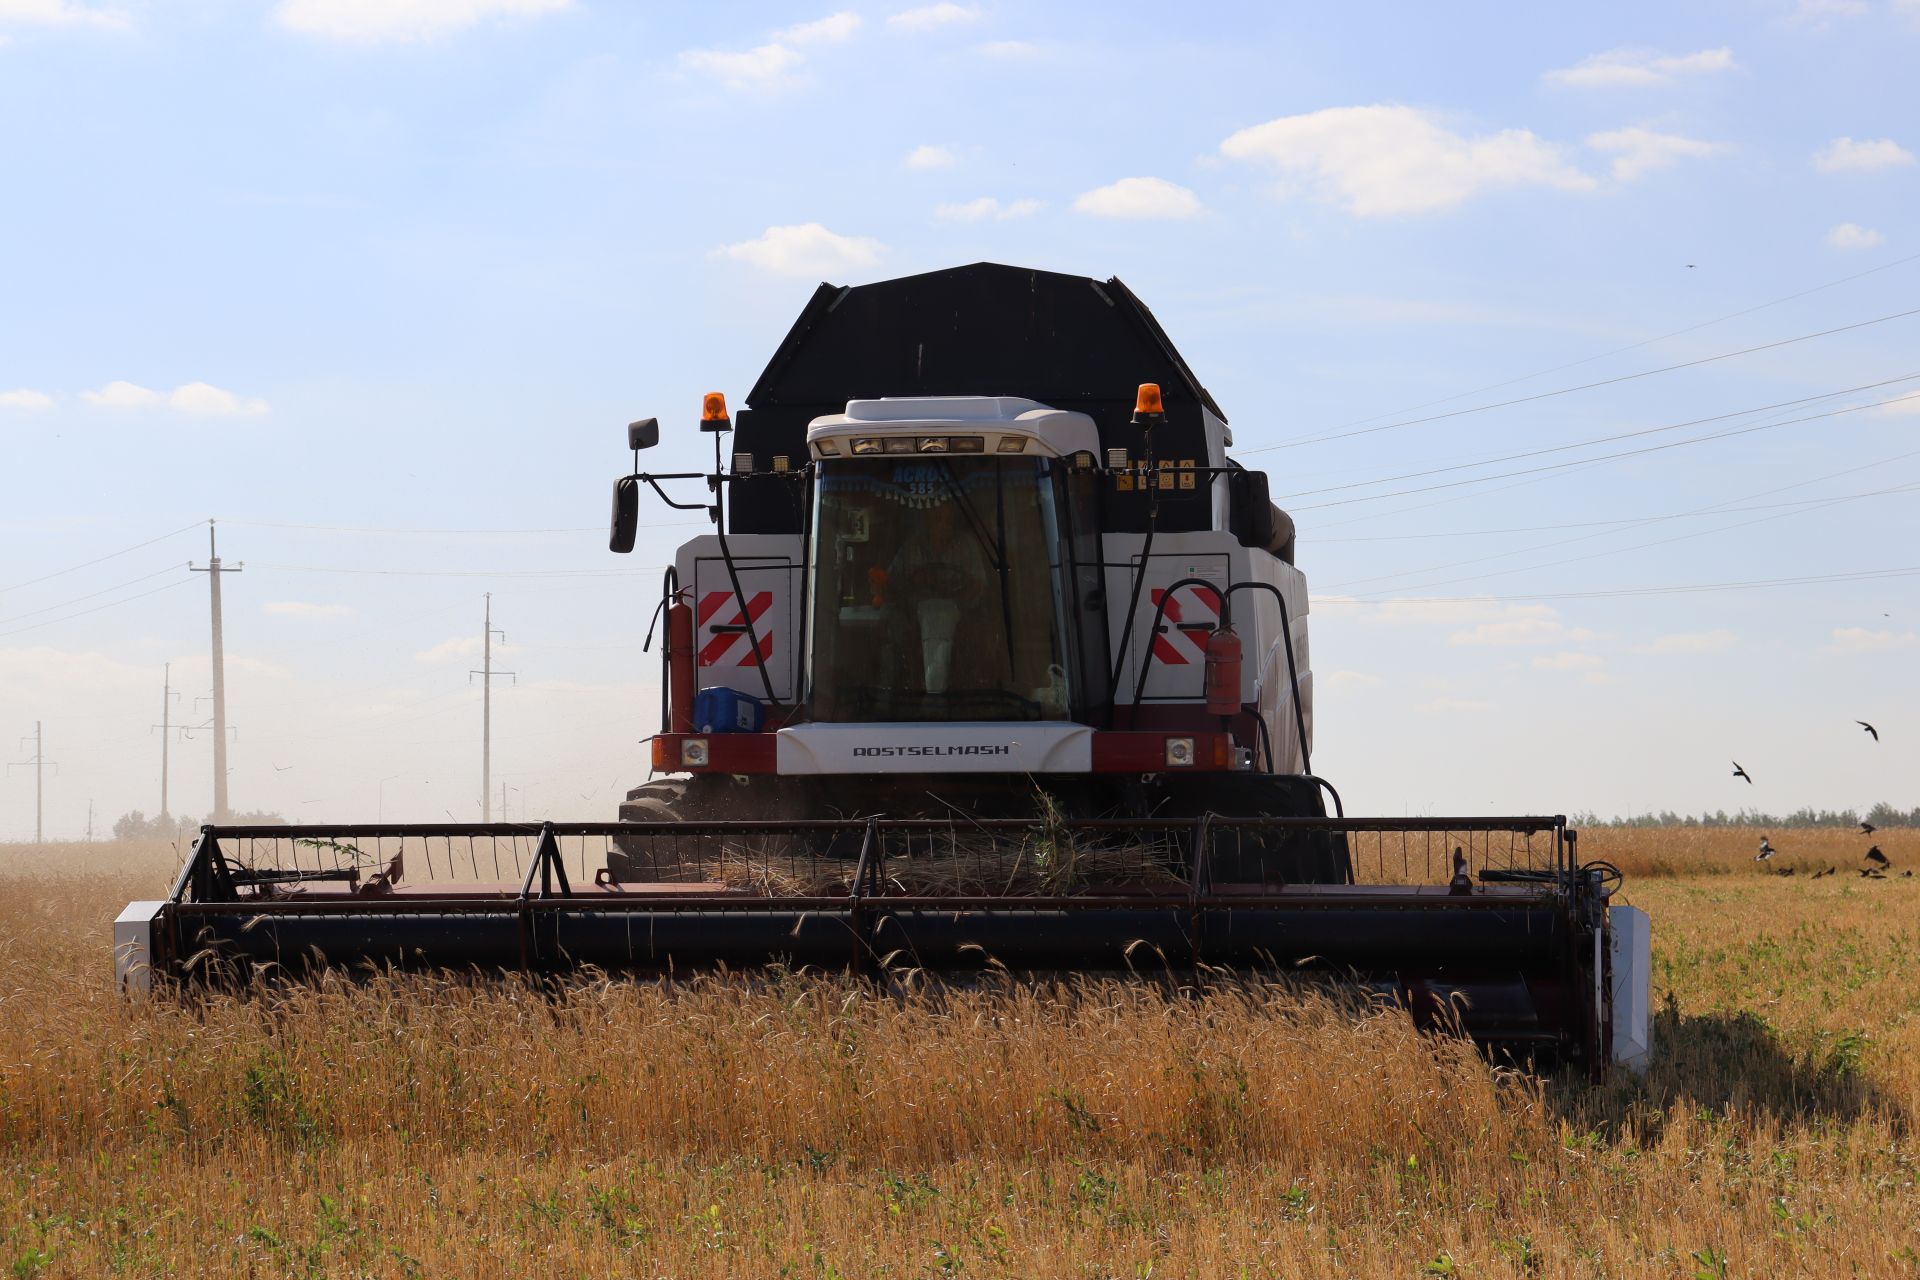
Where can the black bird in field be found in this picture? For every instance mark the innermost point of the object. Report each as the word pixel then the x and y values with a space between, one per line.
pixel 1766 851
pixel 1869 728
pixel 1738 772
pixel 1878 858
pixel 1784 871
pixel 1867 828
pixel 1868 873
pixel 1822 875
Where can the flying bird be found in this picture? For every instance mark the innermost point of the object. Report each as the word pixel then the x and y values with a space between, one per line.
pixel 1869 728
pixel 1738 772
pixel 280 768
pixel 1766 851
pixel 1867 828
pixel 1821 875
pixel 1878 858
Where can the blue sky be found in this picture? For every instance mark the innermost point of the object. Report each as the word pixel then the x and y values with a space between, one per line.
pixel 408 265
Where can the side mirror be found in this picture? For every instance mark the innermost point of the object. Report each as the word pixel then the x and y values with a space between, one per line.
pixel 643 434
pixel 626 513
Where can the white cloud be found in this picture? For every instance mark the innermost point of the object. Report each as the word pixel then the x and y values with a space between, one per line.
pixel 1009 49
pixel 832 29
pixel 1851 235
pixel 1444 706
pixel 1513 624
pixel 460 647
pixel 1817 13
pixel 986 207
pixel 198 398
pixel 768 66
pixel 23 398
pixel 1637 152
pixel 1864 640
pixel 805 249
pixel 378 21
pixel 1845 154
pixel 1717 641
pixel 1349 680
pixel 211 401
pixel 759 68
pixel 122 395
pixel 61 13
pixel 928 156
pixel 1139 198
pixel 1381 159
pixel 302 609
pixel 1632 67
pixel 1568 661
pixel 930 16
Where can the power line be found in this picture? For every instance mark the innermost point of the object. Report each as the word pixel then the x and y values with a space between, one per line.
pixel 465 573
pixel 1814 504
pixel 145 577
pixel 1583 444
pixel 1632 346
pixel 1612 457
pixel 1860 575
pixel 1585 386
pixel 343 528
pixel 100 559
pixel 214 571
pixel 111 604
pixel 39 765
pixel 1625 520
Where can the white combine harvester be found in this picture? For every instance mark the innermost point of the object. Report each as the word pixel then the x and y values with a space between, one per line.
pixel 994 658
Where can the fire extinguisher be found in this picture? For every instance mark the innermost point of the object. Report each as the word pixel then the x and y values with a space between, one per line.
pixel 1223 670
pixel 680 676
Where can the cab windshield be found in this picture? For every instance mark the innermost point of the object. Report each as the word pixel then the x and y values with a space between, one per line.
pixel 936 591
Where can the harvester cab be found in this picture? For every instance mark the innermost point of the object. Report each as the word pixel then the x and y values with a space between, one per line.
pixel 991 658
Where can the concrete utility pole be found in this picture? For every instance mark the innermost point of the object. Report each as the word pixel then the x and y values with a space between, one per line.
pixel 39 766
pixel 486 674
pixel 213 571
pixel 167 695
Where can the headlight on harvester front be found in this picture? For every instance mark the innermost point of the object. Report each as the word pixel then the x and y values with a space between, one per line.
pixel 693 753
pixel 1179 753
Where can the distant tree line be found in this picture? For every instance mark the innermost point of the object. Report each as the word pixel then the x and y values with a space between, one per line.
pixel 1881 815
pixel 138 826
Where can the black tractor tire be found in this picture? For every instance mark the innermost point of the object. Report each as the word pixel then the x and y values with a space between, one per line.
pixel 689 801
pixel 1240 856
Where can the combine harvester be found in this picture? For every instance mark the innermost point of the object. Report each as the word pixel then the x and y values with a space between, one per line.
pixel 992 659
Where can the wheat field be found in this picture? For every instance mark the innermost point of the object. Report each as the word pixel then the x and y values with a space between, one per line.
pixel 800 1126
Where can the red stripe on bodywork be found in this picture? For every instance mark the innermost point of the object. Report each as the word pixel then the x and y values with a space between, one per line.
pixel 717 647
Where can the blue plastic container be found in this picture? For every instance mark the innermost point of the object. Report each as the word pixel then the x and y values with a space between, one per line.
pixel 722 710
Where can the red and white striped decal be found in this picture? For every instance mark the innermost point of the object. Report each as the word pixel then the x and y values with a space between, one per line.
pixel 717 650
pixel 1194 607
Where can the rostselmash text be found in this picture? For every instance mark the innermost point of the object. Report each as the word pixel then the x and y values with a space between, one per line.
pixel 999 749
